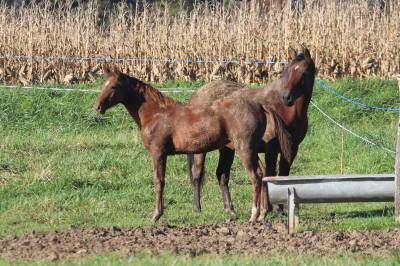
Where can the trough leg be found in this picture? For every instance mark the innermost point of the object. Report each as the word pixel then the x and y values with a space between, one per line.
pixel 293 211
pixel 284 167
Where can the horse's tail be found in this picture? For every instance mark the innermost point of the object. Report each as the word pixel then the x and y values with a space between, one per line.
pixel 284 137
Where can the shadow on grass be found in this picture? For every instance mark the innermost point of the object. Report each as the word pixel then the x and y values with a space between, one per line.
pixel 98 185
pixel 388 211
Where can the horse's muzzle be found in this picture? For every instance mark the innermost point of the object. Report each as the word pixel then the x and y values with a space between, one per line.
pixel 100 109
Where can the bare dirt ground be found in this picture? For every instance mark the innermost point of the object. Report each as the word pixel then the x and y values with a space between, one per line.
pixel 225 238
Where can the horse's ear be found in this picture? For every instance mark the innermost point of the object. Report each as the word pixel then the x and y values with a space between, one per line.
pixel 106 71
pixel 292 53
pixel 307 55
pixel 116 71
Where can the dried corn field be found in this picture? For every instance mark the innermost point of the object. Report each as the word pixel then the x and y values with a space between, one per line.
pixel 347 38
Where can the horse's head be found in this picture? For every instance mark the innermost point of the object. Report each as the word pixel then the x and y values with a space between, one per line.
pixel 298 77
pixel 114 91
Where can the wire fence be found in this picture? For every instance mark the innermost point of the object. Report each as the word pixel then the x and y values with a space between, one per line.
pixel 106 58
pixel 163 90
pixel 320 84
pixel 138 59
pixel 350 131
pixel 329 89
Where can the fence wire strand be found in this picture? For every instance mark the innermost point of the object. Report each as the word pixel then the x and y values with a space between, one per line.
pixel 138 59
pixel 108 58
pixel 350 131
pixel 329 89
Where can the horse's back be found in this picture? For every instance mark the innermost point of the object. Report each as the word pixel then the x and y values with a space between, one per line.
pixel 213 91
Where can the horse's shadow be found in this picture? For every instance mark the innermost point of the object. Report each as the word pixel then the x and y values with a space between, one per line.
pixel 385 211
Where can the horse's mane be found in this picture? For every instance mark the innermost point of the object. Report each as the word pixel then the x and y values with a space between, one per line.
pixel 152 94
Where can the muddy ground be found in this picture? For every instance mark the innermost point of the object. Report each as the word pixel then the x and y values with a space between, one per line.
pixel 225 238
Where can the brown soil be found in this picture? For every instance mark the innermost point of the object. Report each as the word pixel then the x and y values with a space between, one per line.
pixel 226 238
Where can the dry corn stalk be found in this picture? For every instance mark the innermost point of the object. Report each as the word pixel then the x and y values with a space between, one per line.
pixel 353 37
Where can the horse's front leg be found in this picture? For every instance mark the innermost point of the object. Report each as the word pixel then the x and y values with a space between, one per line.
pixel 159 164
pixel 249 158
pixel 196 170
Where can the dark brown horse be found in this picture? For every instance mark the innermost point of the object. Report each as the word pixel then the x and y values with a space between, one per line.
pixel 295 87
pixel 168 128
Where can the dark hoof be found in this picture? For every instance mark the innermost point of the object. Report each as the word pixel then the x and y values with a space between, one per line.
pixel 232 216
pixel 156 217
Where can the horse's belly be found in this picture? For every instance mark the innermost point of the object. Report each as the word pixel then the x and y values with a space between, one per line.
pixel 200 139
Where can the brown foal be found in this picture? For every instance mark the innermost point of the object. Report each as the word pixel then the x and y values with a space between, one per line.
pixel 169 128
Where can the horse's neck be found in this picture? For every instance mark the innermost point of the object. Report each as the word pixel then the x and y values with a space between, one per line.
pixel 301 105
pixel 142 106
pixel 134 112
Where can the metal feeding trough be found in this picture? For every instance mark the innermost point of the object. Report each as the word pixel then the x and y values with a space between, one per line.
pixel 294 190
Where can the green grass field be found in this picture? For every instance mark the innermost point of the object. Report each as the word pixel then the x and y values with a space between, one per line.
pixel 171 259
pixel 62 164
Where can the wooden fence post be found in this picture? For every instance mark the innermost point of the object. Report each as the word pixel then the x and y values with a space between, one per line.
pixel 397 169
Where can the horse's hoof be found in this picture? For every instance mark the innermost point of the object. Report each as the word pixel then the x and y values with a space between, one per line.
pixel 230 211
pixel 261 218
pixel 197 209
pixel 156 217
pixel 255 212
pixel 252 219
pixel 232 216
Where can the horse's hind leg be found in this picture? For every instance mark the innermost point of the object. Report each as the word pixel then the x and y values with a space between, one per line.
pixel 249 158
pixel 271 157
pixel 196 170
pixel 226 156
pixel 159 164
